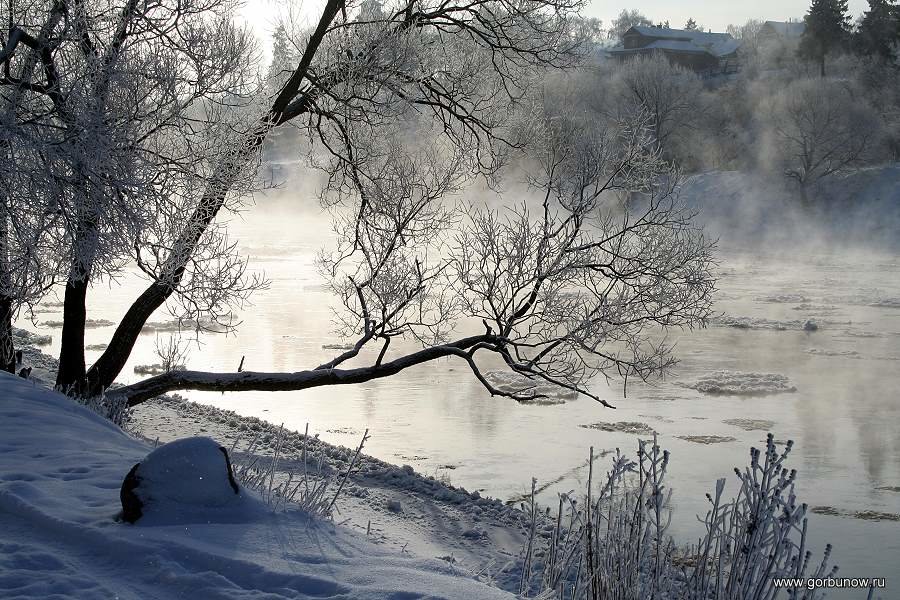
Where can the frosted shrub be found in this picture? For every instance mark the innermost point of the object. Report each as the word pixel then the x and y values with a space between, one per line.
pixel 759 535
pixel 312 487
pixel 614 545
pixel 113 408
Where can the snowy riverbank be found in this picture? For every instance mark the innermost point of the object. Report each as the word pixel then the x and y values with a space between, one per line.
pixel 391 506
pixel 61 467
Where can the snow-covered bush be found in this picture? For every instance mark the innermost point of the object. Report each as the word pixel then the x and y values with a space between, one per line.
pixel 614 545
pixel 311 487
pixel 114 408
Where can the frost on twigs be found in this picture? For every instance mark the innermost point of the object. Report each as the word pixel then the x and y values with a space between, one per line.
pixel 108 406
pixel 613 542
pixel 312 486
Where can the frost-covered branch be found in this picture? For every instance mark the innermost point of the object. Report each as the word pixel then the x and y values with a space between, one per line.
pixel 573 285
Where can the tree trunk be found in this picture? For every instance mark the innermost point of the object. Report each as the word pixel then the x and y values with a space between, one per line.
pixel 104 372
pixel 7 350
pixel 71 353
pixel 822 65
pixel 71 371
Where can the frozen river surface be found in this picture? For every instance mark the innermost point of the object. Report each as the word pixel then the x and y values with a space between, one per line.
pixel 761 366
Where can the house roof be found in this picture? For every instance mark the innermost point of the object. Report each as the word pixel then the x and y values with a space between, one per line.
pixel 786 29
pixel 682 40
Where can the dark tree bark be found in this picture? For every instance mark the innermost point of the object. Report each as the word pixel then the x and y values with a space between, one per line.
pixel 71 352
pixel 7 350
pixel 72 366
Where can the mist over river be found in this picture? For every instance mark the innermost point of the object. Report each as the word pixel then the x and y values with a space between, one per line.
pixel 810 341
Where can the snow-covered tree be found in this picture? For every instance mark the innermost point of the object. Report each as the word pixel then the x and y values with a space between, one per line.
pixel 31 165
pixel 878 33
pixel 137 101
pixel 827 29
pixel 625 21
pixel 400 111
pixel 820 127
pixel 284 59
pixel 668 94
pixel 748 32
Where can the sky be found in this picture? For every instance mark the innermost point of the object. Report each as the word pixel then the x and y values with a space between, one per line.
pixel 710 14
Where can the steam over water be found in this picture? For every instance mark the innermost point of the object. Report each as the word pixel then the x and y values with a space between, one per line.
pixel 807 346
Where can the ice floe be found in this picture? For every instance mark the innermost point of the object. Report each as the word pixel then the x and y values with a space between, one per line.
pixel 738 383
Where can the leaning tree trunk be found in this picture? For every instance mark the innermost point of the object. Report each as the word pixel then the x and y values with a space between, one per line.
pixel 285 107
pixel 104 372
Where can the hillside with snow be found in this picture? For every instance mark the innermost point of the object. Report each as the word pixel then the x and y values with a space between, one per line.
pixel 61 468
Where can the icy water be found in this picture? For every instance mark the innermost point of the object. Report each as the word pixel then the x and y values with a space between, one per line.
pixel 844 414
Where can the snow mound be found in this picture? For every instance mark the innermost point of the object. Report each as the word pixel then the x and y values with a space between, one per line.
pixel 816 308
pixel 179 325
pixel 189 480
pixel 22 337
pixel 88 323
pixel 827 352
pixel 707 439
pixel 156 369
pixel 738 383
pixel 863 515
pixel 886 303
pixel 338 346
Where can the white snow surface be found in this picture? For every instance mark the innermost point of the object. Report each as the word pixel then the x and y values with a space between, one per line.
pixel 61 467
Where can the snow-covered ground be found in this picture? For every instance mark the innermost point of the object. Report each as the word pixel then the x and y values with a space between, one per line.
pixel 393 505
pixel 61 468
